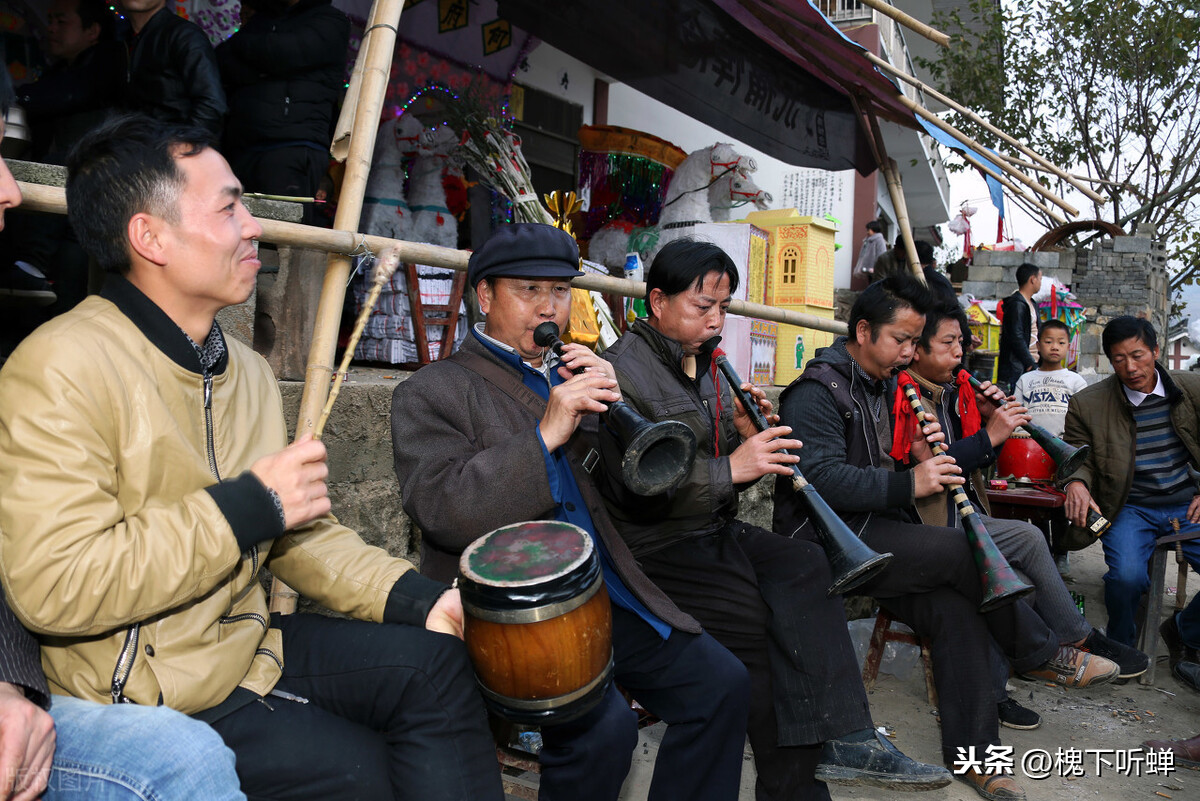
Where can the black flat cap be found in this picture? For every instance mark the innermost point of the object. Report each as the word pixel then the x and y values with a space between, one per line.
pixel 525 250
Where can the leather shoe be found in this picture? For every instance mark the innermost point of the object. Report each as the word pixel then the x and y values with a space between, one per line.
pixel 994 786
pixel 868 759
pixel 1187 752
pixel 1176 647
pixel 1188 673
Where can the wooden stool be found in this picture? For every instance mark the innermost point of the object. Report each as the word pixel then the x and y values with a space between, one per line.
pixel 880 637
pixel 1148 641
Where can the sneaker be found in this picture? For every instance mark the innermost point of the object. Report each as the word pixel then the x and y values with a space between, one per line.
pixel 1071 667
pixel 1176 647
pixel 868 759
pixel 1015 716
pixel 19 282
pixel 1131 661
pixel 994 786
pixel 1062 561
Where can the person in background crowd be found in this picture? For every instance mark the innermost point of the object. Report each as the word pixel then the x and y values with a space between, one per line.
pixel 892 261
pixel 284 73
pixel 873 246
pixel 1141 426
pixel 1046 392
pixel 81 87
pixel 1018 328
pixel 173 75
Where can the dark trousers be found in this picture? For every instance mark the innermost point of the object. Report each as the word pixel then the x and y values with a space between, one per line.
pixel 933 586
pixel 689 681
pixel 762 596
pixel 293 171
pixel 393 713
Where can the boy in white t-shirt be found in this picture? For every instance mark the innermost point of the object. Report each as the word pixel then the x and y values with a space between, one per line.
pixel 1046 392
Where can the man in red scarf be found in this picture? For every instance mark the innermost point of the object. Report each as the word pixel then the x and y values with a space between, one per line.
pixel 974 434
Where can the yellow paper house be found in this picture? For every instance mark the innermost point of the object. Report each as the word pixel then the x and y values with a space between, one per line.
pixel 800 266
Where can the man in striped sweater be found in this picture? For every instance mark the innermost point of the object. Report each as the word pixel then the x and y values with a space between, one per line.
pixel 1141 424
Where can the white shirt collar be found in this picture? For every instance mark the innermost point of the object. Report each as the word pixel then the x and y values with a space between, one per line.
pixel 549 357
pixel 1136 397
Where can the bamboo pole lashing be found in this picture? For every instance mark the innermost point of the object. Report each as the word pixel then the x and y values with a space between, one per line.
pixel 376 72
pixel 52 199
pixel 1047 165
pixel 913 24
pixel 925 113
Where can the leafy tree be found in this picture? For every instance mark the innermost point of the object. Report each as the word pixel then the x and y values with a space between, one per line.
pixel 1105 88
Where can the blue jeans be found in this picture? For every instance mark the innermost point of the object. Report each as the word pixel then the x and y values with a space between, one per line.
pixel 127 752
pixel 1128 546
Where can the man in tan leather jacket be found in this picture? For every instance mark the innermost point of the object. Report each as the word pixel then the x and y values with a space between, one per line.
pixel 147 480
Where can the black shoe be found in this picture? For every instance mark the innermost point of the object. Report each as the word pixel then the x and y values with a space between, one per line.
pixel 1186 672
pixel 1015 716
pixel 17 283
pixel 1131 661
pixel 1176 647
pixel 868 759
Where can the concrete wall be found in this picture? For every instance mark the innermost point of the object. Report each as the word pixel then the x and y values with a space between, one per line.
pixel 1111 277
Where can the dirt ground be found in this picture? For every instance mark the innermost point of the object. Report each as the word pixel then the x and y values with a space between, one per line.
pixel 1106 719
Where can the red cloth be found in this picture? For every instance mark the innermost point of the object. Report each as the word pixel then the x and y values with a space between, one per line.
pixel 712 366
pixel 904 420
pixel 968 412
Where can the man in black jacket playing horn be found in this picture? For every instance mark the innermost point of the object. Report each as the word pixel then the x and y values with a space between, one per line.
pixel 761 595
pixel 842 408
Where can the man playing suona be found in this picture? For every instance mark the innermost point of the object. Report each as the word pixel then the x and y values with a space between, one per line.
pixel 472 456
pixel 974 433
pixel 760 594
pixel 841 407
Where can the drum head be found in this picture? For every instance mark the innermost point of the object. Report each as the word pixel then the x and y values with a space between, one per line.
pixel 526 554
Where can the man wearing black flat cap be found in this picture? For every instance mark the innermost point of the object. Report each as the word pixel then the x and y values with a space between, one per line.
pixel 472 457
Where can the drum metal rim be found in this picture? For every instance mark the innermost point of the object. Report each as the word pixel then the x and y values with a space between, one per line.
pixel 534 614
pixel 547 704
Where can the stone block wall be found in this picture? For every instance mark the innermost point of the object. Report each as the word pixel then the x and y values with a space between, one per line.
pixel 1110 277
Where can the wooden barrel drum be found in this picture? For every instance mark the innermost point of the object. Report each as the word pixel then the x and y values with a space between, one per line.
pixel 536 620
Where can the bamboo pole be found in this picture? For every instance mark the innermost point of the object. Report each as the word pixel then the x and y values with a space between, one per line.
pixel 891 174
pixel 913 24
pixel 52 199
pixel 380 41
pixel 340 148
pixel 1047 165
pixel 925 113
pixel 1074 176
pixel 979 165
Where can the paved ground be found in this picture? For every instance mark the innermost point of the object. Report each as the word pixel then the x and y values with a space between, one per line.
pixel 1106 719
